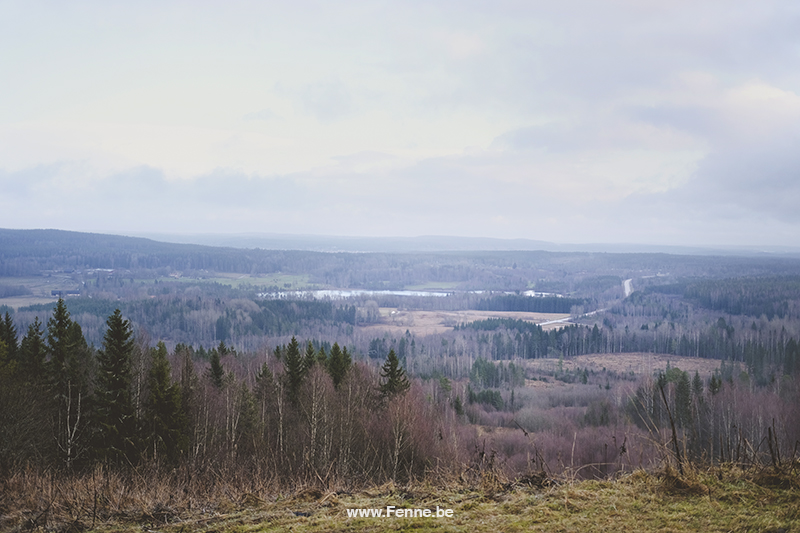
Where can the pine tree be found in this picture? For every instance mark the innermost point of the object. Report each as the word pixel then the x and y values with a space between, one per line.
pixel 164 420
pixel 115 426
pixel 395 377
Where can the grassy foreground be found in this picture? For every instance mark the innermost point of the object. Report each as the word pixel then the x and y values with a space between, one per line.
pixel 722 500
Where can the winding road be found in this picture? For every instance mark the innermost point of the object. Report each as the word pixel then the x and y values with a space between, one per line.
pixel 627 287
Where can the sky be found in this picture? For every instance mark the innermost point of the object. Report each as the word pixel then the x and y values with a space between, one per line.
pixel 577 121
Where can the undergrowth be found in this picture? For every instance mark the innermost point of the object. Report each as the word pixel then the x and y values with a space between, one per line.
pixel 724 498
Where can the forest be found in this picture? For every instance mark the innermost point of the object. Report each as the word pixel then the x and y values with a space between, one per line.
pixel 165 364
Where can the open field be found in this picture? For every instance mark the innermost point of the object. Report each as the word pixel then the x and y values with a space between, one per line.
pixel 396 321
pixel 625 363
pixel 40 287
pixel 725 500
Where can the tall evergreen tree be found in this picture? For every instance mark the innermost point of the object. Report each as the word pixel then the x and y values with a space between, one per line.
pixel 310 357
pixel 189 393
pixel 68 371
pixel 395 377
pixel 33 354
pixel 164 421
pixel 216 372
pixel 8 334
pixel 683 400
pixel 115 426
pixel 338 364
pixel 294 368
pixel 322 357
pixel 58 344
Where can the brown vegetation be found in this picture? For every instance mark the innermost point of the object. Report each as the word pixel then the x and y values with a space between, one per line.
pixel 396 321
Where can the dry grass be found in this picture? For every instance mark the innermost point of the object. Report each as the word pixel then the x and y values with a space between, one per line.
pixel 723 499
pixel 420 323
pixel 624 363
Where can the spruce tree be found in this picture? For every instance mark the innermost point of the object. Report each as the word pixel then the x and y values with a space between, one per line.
pixel 115 427
pixel 8 334
pixel 322 357
pixel 683 400
pixel 216 372
pixel 164 420
pixel 310 358
pixel 68 372
pixel 33 354
pixel 338 364
pixel 395 377
pixel 294 368
pixel 57 344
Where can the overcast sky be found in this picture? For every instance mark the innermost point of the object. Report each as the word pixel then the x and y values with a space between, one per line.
pixel 580 121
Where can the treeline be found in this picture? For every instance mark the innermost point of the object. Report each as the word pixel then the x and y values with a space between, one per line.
pixel 190 317
pixel 7 291
pixel 775 296
pixel 763 351
pixel 302 413
pixel 32 252
pixel 514 302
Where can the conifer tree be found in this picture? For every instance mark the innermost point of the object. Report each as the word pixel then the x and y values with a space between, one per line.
pixel 216 372
pixel 338 364
pixel 189 390
pixel 57 343
pixel 115 427
pixel 395 377
pixel 33 354
pixel 683 400
pixel 310 357
pixel 8 334
pixel 322 357
pixel 294 368
pixel 68 370
pixel 164 420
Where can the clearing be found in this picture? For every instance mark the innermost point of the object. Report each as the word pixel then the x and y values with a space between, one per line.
pixel 396 321
pixel 622 363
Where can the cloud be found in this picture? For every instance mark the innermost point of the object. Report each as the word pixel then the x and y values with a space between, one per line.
pixel 264 114
pixel 328 101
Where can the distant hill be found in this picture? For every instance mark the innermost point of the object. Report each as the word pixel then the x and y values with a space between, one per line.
pixel 438 243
